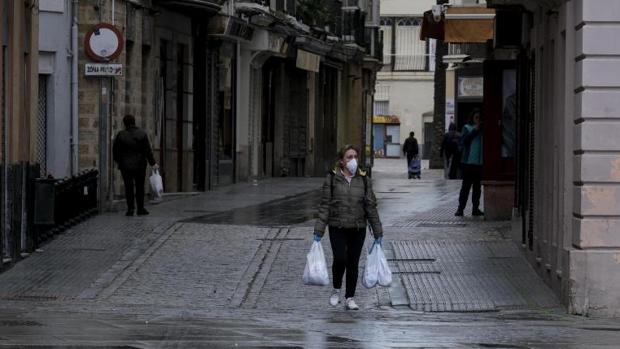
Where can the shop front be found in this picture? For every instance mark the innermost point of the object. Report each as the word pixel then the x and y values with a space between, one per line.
pixel 386 134
pixel 225 34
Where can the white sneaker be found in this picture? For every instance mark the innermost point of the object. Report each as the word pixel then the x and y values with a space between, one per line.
pixel 349 304
pixel 335 298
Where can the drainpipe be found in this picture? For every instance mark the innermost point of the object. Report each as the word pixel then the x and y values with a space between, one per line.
pixel 74 88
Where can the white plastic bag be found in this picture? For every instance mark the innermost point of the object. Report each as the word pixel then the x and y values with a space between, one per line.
pixel 315 272
pixel 377 271
pixel 157 185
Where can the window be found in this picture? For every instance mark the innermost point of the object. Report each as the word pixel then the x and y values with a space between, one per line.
pixel 402 48
pixel 382 108
pixel 382 100
pixel 410 51
pixel 386 31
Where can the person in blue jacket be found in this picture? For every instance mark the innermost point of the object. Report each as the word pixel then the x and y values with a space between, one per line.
pixel 471 160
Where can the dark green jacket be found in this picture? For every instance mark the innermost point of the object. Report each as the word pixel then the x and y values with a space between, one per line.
pixel 350 206
pixel 131 149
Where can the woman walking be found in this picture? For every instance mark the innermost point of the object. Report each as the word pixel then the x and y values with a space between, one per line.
pixel 348 204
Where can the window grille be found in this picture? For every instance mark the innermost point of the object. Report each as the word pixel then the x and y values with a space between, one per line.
pixel 410 51
pixel 382 93
pixel 386 30
pixel 382 108
pixel 41 150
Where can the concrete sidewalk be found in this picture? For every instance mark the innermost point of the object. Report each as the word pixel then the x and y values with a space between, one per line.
pixel 84 259
pixel 224 268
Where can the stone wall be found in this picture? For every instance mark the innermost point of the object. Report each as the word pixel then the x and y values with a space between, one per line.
pixel 576 174
pixel 595 264
pixel 138 91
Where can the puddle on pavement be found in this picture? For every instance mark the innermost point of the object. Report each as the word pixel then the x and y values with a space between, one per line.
pixel 501 346
pixel 282 212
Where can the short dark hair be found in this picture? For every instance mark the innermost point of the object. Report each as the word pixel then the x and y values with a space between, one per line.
pixel 411 134
pixel 129 120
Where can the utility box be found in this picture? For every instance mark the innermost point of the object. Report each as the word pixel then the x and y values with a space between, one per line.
pixel 44 201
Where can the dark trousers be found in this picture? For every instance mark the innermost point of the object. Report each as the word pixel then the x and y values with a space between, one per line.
pixel 409 158
pixel 472 175
pixel 134 180
pixel 347 247
pixel 454 163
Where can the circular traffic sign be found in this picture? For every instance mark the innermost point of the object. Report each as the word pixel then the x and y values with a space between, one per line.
pixel 103 43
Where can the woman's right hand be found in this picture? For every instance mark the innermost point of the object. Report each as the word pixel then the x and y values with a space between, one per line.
pixel 317 237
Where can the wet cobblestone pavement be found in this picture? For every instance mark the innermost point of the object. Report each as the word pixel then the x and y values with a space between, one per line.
pixel 223 270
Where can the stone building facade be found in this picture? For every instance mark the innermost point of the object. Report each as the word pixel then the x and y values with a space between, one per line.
pixel 405 83
pixel 195 78
pixel 156 87
pixel 20 122
pixel 567 195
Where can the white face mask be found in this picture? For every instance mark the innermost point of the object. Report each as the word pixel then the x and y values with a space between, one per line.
pixel 352 166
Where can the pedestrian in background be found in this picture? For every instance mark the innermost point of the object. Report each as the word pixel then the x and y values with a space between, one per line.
pixel 450 151
pixel 131 151
pixel 348 204
pixel 471 139
pixel 411 149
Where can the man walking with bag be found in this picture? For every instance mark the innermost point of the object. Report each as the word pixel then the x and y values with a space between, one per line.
pixel 132 151
pixel 411 150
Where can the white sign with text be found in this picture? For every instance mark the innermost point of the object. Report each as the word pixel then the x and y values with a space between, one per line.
pixel 103 69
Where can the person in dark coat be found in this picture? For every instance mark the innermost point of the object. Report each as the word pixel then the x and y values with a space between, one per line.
pixel 450 151
pixel 411 149
pixel 132 151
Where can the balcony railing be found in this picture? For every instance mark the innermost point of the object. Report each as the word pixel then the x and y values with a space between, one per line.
pixel 353 27
pixel 473 50
pixel 352 5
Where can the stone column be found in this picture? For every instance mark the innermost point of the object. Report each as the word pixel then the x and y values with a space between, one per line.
pixel 595 263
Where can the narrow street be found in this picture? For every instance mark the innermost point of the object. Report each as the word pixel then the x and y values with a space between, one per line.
pixel 223 269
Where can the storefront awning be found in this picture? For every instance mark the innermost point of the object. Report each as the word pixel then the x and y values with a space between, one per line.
pixel 460 25
pixel 308 61
pixel 469 25
pixel 385 119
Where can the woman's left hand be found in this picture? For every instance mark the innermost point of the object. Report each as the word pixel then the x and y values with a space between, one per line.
pixel 379 241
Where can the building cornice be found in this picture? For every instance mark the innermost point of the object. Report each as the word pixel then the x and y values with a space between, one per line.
pixel 405 76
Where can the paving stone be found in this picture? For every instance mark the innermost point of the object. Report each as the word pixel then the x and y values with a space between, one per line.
pixel 468 276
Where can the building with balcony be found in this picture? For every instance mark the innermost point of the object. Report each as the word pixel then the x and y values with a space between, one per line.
pixel 405 83
pixel 305 84
pixel 550 114
pixel 567 188
pixel 20 144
